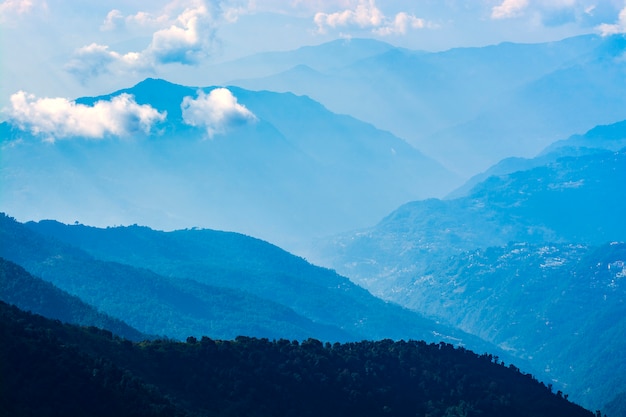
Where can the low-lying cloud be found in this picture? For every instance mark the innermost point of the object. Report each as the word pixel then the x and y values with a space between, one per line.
pixel 216 111
pixel 57 118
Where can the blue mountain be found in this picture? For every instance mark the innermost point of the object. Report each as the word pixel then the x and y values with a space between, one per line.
pixel 298 171
pixel 531 260
pixel 470 107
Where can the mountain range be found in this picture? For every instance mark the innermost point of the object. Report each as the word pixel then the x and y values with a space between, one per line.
pixel 324 172
pixel 468 108
pixel 209 283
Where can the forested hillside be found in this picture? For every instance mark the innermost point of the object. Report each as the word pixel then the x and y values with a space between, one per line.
pixel 529 260
pixel 88 372
pixel 33 294
pixel 205 282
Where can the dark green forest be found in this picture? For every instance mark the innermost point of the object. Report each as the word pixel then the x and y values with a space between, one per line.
pixel 54 369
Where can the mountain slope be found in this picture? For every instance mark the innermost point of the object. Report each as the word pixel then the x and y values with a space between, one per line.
pixel 574 199
pixel 562 307
pixel 29 293
pixel 229 260
pixel 605 137
pixel 212 283
pixel 152 303
pixel 432 256
pixel 325 172
pixel 255 377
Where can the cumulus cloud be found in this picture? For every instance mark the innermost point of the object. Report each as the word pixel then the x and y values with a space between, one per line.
pixel 366 15
pixel 57 118
pixel 215 111
pixel 185 41
pixel 615 28
pixel 509 9
pixel 184 34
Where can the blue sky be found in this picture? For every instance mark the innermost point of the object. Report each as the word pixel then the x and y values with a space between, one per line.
pixel 56 48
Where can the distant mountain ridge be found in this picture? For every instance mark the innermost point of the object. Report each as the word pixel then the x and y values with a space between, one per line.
pixel 337 53
pixel 600 138
pixel 468 108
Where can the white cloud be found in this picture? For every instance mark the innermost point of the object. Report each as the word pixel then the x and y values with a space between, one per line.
pixel 509 9
pixel 185 41
pixel 60 118
pixel 112 21
pixel 616 28
pixel 366 15
pixel 185 34
pixel 215 111
pixel 400 24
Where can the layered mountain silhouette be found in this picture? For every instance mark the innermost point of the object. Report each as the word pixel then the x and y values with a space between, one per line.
pixel 525 260
pixel 295 171
pixel 204 282
pixel 470 107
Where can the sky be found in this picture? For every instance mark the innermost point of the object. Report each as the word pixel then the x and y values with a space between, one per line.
pixel 60 50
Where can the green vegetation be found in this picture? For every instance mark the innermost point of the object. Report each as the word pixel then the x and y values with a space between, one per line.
pixel 152 303
pixel 529 261
pixel 51 369
pixel 204 282
pixel 29 293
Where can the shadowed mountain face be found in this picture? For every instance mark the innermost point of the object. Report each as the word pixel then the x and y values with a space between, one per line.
pixel 470 107
pixel 294 172
pixel 33 294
